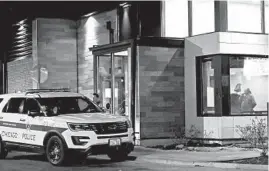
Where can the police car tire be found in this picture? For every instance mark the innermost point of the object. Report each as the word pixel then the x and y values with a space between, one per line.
pixel 3 150
pixel 63 152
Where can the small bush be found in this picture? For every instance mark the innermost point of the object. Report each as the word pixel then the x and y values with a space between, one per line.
pixel 255 134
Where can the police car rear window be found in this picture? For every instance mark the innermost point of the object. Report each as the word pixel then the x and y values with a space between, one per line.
pixel 13 105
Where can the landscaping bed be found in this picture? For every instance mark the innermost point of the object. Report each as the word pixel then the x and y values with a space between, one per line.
pixel 262 160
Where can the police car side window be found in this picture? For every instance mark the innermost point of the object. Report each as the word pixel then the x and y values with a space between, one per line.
pixel 82 104
pixel 31 105
pixel 14 105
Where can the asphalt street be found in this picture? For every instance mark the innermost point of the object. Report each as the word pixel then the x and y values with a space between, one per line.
pixel 17 161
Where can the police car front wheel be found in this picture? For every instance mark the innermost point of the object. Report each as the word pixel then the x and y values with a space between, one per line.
pixel 55 151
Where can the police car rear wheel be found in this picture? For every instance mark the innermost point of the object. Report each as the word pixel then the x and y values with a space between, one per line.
pixel 3 150
pixel 55 151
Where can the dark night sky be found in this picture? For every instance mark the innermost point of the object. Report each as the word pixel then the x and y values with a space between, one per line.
pixel 13 11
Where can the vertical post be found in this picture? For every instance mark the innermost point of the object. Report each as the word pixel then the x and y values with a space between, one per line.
pixel 262 16
pixel 5 84
pixel 221 16
pixel 111 40
pixel 190 17
pixel 38 76
pixel 112 84
pixel 133 80
pixel 216 61
pixel 225 72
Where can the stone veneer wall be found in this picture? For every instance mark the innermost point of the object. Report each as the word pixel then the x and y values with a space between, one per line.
pixel 161 91
pixel 55 48
pixel 19 74
pixel 91 31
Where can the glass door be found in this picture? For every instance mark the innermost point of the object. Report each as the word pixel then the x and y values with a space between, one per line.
pixel 113 81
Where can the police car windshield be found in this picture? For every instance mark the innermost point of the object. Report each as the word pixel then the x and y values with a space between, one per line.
pixel 67 105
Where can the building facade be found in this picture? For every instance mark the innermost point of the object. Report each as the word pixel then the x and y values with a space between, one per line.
pixel 171 68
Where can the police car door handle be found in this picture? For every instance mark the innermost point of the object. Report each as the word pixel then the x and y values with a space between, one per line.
pixel 22 120
pixel 1 117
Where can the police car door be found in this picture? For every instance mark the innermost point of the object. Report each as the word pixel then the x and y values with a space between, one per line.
pixel 13 120
pixel 33 133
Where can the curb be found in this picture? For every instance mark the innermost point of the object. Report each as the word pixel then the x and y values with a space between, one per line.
pixel 209 164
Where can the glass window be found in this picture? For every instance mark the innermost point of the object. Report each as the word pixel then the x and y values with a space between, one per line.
pixel 15 105
pixel 31 105
pixel 67 105
pixel 176 18
pixel 244 16
pixel 203 16
pixel 208 87
pixel 266 17
pixel 249 85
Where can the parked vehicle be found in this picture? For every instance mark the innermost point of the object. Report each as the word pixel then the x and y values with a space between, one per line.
pixel 63 125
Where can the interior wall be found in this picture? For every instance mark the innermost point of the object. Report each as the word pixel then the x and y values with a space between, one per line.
pixel 161 91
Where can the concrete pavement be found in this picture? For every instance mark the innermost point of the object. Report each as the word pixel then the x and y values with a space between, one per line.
pixel 35 162
pixel 206 157
pixel 142 159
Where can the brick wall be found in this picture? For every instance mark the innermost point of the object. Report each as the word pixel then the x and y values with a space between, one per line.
pixel 56 46
pixel 19 75
pixel 91 31
pixel 161 91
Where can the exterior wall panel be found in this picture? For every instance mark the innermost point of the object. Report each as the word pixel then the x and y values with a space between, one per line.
pixel 161 91
pixel 56 51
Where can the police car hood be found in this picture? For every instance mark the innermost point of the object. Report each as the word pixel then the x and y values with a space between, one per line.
pixel 90 118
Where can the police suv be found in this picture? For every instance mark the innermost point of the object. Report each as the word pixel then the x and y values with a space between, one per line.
pixel 63 125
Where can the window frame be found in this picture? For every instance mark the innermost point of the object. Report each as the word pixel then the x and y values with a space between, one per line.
pixel 221 76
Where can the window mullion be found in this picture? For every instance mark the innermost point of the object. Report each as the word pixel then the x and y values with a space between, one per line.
pixel 218 85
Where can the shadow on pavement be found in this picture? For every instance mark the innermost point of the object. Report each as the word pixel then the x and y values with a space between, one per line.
pixel 91 161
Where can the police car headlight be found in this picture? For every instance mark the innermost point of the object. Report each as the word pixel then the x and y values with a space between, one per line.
pixel 81 127
pixel 129 123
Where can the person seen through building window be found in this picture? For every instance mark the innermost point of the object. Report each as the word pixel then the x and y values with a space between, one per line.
pixel 235 99
pixel 247 101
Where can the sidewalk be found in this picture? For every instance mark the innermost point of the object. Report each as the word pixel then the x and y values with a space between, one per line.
pixel 209 157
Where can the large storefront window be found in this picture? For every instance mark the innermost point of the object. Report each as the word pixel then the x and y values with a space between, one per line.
pixel 232 85
pixel 175 14
pixel 244 15
pixel 203 16
pixel 249 85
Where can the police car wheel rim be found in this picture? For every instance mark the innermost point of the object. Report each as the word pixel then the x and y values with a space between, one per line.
pixel 54 152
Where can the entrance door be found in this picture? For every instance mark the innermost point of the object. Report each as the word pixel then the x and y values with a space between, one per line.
pixel 113 81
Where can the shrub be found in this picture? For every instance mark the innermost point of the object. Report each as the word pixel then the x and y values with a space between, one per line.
pixel 190 139
pixel 255 134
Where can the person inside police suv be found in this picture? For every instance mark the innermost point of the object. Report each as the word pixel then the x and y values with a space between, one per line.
pixel 96 99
